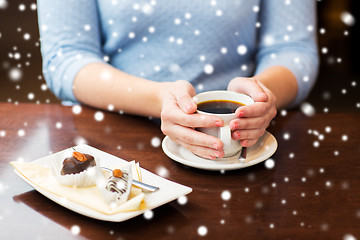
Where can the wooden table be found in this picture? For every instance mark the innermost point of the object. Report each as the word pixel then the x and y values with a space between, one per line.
pixel 312 192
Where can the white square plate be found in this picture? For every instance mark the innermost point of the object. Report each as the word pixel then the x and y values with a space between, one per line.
pixel 168 191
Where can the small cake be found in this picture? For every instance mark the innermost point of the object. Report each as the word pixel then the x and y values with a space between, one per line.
pixel 118 182
pixel 77 163
pixel 116 186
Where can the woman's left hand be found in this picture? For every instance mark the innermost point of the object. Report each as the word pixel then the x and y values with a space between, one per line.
pixel 253 119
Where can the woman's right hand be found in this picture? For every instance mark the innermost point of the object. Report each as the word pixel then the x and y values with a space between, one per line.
pixel 179 120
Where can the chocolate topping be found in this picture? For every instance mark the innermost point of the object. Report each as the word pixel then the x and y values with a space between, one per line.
pixel 72 165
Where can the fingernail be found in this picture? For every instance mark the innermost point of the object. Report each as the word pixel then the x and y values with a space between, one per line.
pixel 241 114
pixel 189 107
pixel 216 146
pixel 219 154
pixel 218 123
pixel 234 126
pixel 212 157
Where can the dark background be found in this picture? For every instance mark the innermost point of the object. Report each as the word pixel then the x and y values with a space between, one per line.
pixel 337 88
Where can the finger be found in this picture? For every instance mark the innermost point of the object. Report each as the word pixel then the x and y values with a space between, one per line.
pixel 184 97
pixel 256 109
pixel 205 152
pixel 247 134
pixel 193 137
pixel 248 142
pixel 177 116
pixel 250 87
pixel 249 123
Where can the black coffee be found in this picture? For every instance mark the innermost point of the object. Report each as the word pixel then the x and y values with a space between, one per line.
pixel 219 106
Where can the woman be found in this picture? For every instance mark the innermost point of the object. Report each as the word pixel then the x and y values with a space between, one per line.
pixel 131 56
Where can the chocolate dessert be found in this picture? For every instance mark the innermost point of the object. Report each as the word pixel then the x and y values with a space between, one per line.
pixel 77 163
pixel 118 182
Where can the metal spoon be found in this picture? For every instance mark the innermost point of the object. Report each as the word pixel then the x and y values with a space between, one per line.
pixel 242 157
pixel 142 185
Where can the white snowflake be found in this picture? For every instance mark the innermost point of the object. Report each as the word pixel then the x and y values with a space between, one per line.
pixel 75 230
pixel 26 36
pixel 202 231
pixel 242 49
pixel 270 163
pixel 226 195
pixel 58 125
pixel 187 15
pixel 151 29
pixel 349 236
pixel 155 142
pixel 33 6
pixel 219 13
pixel 147 9
pixel 162 171
pixel 22 7
pixel 76 109
pixel 177 21
pixel 182 200
pixel 80 140
pixel 208 69
pixel 148 214
pixel 3 4
pixel 344 137
pixel 31 96
pixel 2 133
pixel 21 132
pixel 87 27
pixel 286 136
pixel 307 109
pixel 324 50
pixel 179 41
pixel 15 74
pixel 347 18
pixel 131 35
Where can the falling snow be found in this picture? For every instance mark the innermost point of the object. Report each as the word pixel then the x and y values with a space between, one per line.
pixel 318 137
pixel 242 49
pixel 270 163
pixel 99 116
pixel 226 195
pixel 307 109
pixel 76 109
pixel 162 171
pixel 182 200
pixel 347 18
pixel 148 214
pixel 21 132
pixel 208 69
pixel 155 142
pixel 75 230
pixel 202 231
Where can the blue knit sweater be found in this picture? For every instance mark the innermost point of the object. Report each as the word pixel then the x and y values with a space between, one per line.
pixel 207 43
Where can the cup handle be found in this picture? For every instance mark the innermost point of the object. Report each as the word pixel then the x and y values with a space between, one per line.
pixel 225 136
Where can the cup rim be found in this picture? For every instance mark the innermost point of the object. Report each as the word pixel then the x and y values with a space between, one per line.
pixel 220 91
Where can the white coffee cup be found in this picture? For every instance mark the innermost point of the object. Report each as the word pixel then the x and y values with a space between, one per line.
pixel 231 147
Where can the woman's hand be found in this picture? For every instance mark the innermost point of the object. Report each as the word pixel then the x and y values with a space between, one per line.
pixel 252 120
pixel 178 120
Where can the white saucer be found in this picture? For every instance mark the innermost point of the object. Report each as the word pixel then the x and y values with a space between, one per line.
pixel 262 150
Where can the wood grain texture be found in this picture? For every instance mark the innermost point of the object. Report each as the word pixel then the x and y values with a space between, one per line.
pixel 311 192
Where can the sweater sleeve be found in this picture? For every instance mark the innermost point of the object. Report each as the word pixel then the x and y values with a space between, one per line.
pixel 70 39
pixel 288 38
